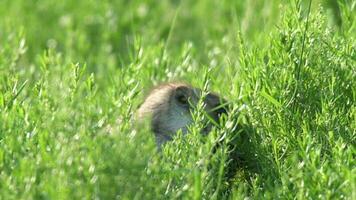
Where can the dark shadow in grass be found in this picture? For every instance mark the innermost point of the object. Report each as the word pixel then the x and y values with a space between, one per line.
pixel 248 159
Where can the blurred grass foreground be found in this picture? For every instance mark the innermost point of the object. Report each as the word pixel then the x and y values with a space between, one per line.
pixel 72 74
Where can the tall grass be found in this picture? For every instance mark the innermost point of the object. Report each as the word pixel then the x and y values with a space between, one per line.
pixel 72 74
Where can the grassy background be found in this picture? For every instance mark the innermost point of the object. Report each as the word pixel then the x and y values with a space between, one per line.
pixel 72 74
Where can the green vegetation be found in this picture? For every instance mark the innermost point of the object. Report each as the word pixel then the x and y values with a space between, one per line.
pixel 72 74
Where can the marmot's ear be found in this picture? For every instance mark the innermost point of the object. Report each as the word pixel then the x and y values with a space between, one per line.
pixel 181 94
pixel 223 109
pixel 220 105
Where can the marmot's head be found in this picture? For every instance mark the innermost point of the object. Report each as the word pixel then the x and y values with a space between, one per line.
pixel 169 108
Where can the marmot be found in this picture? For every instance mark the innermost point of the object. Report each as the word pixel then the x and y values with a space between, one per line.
pixel 168 106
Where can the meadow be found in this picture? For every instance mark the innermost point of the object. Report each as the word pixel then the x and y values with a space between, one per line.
pixel 73 73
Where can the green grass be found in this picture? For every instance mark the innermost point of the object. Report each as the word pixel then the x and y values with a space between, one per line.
pixel 72 74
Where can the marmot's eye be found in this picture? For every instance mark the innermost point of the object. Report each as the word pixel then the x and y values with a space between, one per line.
pixel 182 99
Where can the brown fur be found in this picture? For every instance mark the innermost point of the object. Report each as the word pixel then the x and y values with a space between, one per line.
pixel 168 107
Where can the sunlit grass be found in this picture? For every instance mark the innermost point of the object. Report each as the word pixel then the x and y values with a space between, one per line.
pixel 72 74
